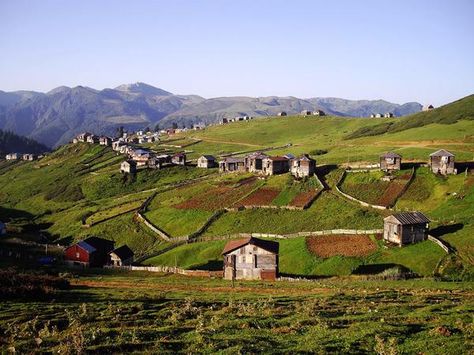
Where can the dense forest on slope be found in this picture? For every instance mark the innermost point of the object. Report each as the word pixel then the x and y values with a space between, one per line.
pixel 11 142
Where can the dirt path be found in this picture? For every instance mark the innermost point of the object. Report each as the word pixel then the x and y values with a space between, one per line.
pixel 205 139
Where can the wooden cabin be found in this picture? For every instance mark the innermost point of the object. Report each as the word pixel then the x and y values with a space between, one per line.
pixel 206 162
pixel 251 259
pixel 91 252
pixel 390 161
pixel 179 159
pixel 306 113
pixel 275 165
pixel 405 228
pixel 319 113
pixel 442 162
pixel 122 256
pixel 254 162
pixel 128 166
pixel 28 157
pixel 12 156
pixel 82 137
pixel 232 165
pixel 302 166
pixel 282 113
pixel 92 139
pixel 104 140
pixel 428 108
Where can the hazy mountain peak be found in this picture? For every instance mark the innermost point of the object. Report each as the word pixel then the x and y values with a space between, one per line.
pixel 142 88
pixel 58 90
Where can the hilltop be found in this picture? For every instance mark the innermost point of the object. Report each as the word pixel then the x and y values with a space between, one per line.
pixel 53 118
pixel 10 142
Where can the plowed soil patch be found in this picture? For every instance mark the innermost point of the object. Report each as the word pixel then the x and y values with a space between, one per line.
pixel 261 197
pixel 326 246
pixel 303 198
pixel 215 198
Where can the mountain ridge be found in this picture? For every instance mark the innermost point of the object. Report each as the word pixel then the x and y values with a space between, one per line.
pixel 54 117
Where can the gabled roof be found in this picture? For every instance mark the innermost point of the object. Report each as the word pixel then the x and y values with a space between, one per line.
pixel 130 162
pixel 267 245
pixel 100 243
pixel 277 158
pixel 442 153
pixel 305 157
pixel 233 160
pixel 409 218
pixel 390 155
pixel 257 155
pixel 289 156
pixel 87 247
pixel 208 157
pixel 123 252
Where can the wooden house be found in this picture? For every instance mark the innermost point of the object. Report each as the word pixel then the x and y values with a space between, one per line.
pixel 92 139
pixel 104 140
pixel 390 161
pixel 224 121
pixel 12 156
pixel 302 166
pixel 275 165
pixel 428 108
pixel 232 165
pixel 122 256
pixel 128 166
pixel 28 157
pixel 388 115
pixel 254 162
pixel 405 228
pixel 91 252
pixel 117 144
pixel 306 113
pixel 442 162
pixel 206 161
pixel 282 113
pixel 251 259
pixel 378 115
pixel 140 156
pixel 179 159
pixel 319 113
pixel 82 137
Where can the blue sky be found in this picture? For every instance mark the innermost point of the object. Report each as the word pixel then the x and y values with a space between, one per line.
pixel 395 50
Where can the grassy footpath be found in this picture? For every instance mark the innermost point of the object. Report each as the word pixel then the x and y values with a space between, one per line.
pixel 156 313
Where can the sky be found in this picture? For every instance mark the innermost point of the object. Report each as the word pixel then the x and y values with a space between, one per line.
pixel 400 50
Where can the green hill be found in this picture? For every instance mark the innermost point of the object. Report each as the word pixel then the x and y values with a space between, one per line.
pixel 81 184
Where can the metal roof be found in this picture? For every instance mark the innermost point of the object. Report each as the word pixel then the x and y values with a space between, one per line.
pixel 390 155
pixel 261 243
pixel 442 153
pixel 208 157
pixel 123 252
pixel 410 217
pixel 87 247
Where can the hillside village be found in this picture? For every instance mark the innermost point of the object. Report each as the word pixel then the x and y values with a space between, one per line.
pixel 399 228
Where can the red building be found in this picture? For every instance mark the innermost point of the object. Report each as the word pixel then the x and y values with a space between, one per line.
pixel 91 252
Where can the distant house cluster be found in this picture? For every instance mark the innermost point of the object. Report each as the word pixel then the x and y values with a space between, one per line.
pixel 18 156
pixel 440 162
pixel 382 115
pixel 97 252
pixel 236 119
pixel 261 163
pixel 136 157
pixel 313 113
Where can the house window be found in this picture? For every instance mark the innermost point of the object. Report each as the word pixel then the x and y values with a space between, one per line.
pixel 77 255
pixel 390 161
pixel 444 159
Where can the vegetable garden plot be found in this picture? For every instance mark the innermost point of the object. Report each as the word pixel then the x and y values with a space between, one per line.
pixel 346 245
pixel 261 197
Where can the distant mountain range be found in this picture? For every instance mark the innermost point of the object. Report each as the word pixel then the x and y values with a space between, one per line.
pixel 54 117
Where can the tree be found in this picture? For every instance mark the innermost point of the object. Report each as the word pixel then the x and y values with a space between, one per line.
pixel 175 125
pixel 157 127
pixel 120 131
